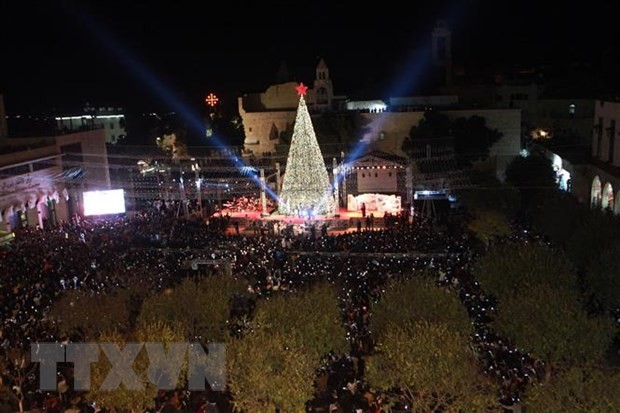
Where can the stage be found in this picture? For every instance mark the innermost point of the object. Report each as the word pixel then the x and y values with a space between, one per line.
pixel 341 222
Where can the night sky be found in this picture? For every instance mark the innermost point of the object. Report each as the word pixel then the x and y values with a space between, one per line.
pixel 57 55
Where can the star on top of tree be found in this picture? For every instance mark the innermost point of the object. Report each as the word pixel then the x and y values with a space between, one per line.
pixel 301 89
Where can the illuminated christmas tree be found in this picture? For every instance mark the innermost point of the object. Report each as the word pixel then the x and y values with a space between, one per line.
pixel 306 187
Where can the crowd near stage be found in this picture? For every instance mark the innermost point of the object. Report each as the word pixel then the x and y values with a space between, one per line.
pixel 343 221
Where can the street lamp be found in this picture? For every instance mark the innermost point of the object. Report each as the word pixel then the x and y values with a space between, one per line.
pixel 196 169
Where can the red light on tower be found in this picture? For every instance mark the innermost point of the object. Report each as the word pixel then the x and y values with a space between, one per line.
pixel 212 100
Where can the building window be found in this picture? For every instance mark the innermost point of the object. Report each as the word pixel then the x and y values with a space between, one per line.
pixel 571 110
pixel 376 175
pixel 112 125
pixel 390 174
pixel 363 175
pixel 250 129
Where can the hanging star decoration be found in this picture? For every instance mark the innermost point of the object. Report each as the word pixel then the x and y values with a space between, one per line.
pixel 301 89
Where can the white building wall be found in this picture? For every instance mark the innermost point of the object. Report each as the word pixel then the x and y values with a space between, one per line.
pixel 377 180
pixel 387 131
pixel 608 111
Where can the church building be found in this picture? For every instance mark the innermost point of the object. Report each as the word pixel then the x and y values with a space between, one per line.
pixel 268 117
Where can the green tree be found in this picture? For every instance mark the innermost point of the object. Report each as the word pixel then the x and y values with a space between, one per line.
pixel 335 131
pixel 472 139
pixel 603 277
pixel 557 215
pixel 123 398
pixel 549 321
pixel 533 176
pixel 226 125
pixel 270 370
pixel 432 127
pixel 434 367
pixel 489 194
pixel 514 269
pixel 313 317
pixel 200 308
pixel 7 402
pixel 418 299
pixel 580 389
pixel 489 225
pixel 79 311
pixel 274 366
pixel 533 171
pixel 592 235
pixel 18 374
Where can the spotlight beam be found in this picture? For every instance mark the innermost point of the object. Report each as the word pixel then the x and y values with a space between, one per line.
pixel 151 81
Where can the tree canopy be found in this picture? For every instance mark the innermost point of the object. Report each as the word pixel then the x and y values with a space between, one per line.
pixel 513 269
pixel 473 139
pixel 592 235
pixel 433 365
pixel 313 316
pixel 268 371
pixel 533 176
pixel 274 364
pixel 549 321
pixel 434 125
pixel 489 194
pixel 200 308
pixel 603 277
pixel 143 396
pixel 583 389
pixel 489 225
pixel 556 216
pixel 418 299
pixel 89 314
pixel 531 172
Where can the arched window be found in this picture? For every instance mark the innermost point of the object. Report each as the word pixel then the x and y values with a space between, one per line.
pixel 617 203
pixel 596 194
pixel 607 200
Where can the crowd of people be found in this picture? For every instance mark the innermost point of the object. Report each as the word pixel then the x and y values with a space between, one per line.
pixel 249 204
pixel 147 252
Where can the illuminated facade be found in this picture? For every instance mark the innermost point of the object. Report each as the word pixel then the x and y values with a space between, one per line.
pixel 602 175
pixel 377 180
pixel 111 120
pixel 42 179
pixel 268 117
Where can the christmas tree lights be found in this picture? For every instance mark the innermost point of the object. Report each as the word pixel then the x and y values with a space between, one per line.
pixel 306 187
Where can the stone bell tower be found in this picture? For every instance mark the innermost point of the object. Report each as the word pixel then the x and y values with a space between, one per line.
pixel 323 88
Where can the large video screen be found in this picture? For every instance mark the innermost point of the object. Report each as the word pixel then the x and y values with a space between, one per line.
pixel 104 202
